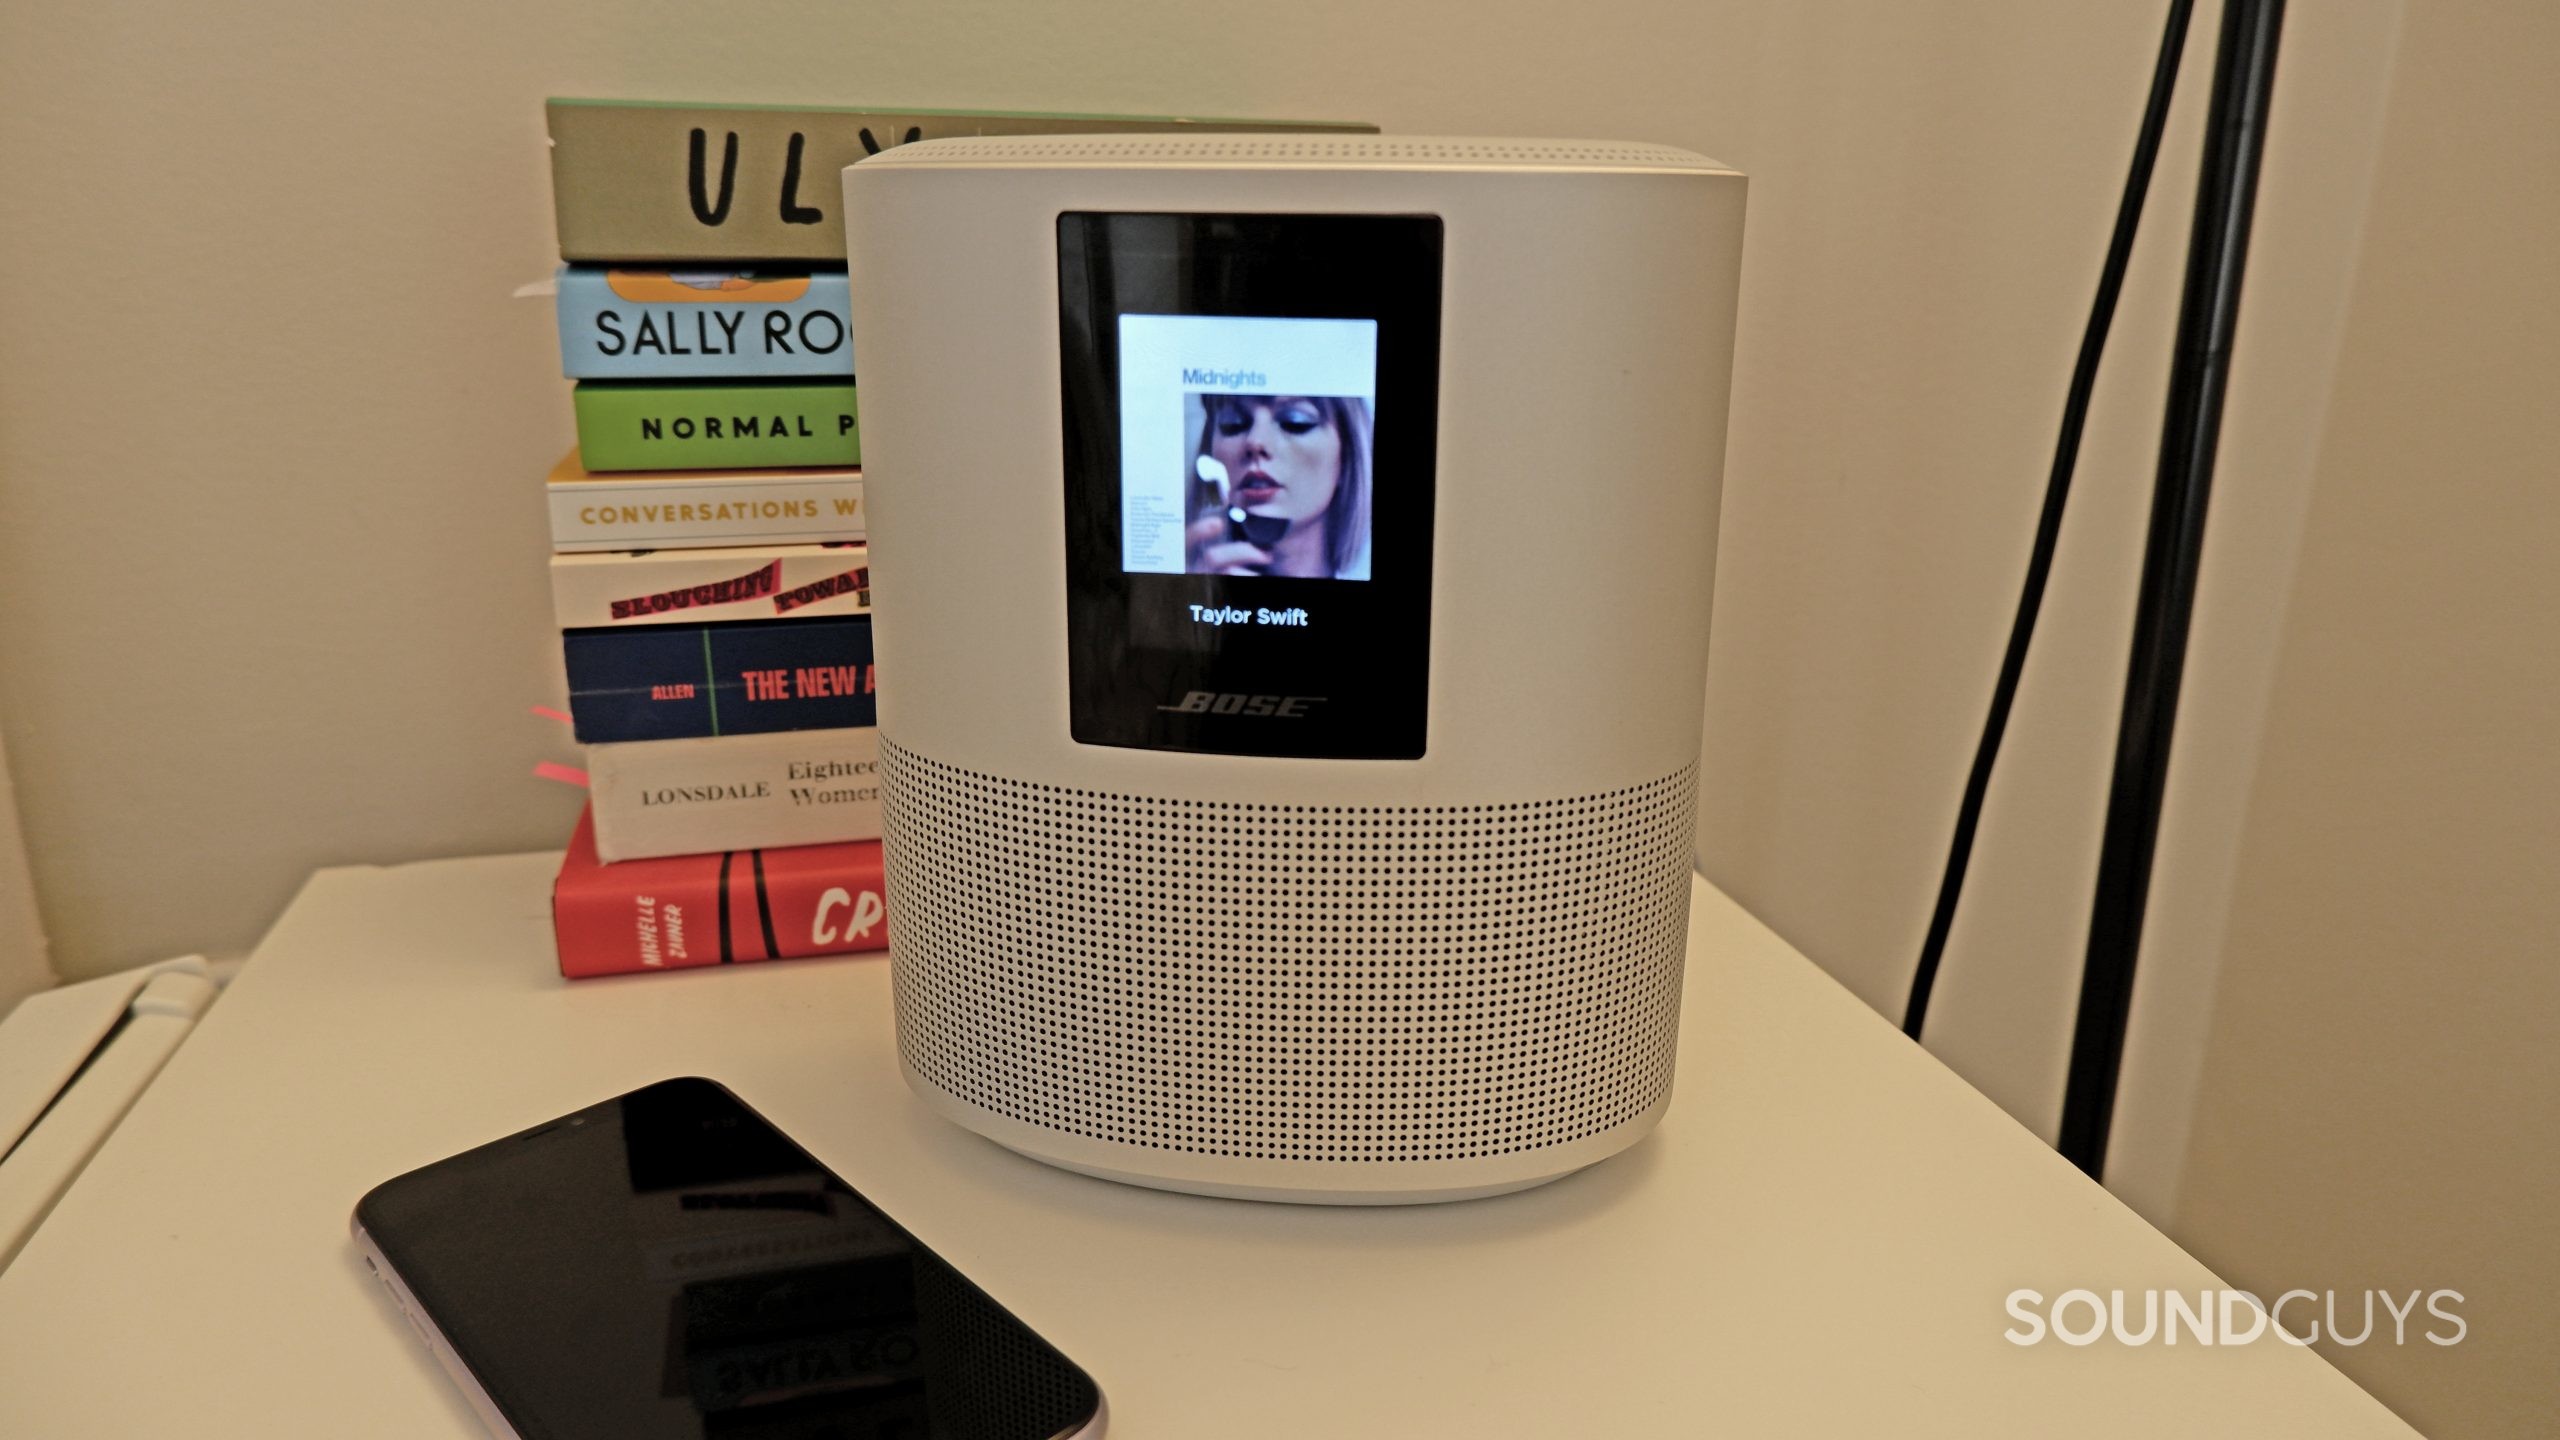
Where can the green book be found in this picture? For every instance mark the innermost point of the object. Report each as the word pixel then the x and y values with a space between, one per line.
pixel 711 425
pixel 640 180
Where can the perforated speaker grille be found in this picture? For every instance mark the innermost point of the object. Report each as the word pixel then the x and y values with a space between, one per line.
pixel 1290 982
pixel 1348 150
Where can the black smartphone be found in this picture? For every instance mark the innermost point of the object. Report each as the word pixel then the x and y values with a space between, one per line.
pixel 668 1264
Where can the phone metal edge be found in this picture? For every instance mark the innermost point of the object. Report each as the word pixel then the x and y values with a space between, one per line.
pixel 1091 1429
pixel 447 1357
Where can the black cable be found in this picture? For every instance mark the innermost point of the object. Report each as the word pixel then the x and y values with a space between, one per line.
pixel 2235 136
pixel 2057 492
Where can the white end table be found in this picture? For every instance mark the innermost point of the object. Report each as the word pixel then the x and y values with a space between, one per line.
pixel 1817 1242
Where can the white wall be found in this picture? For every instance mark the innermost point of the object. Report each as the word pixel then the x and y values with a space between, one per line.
pixel 26 965
pixel 2381 1097
pixel 1924 252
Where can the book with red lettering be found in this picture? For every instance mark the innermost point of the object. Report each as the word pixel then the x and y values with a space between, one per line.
pixel 735 677
pixel 605 589
pixel 718 909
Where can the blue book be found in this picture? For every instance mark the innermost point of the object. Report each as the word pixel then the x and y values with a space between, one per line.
pixel 618 324
pixel 676 682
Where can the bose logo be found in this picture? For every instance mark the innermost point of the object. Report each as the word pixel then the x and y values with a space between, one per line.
pixel 1222 702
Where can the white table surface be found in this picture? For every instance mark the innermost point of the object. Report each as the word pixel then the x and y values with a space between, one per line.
pixel 1818 1241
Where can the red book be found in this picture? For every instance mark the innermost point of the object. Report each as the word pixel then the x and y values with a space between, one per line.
pixel 684 910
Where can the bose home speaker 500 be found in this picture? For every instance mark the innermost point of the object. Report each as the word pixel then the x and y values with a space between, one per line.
pixel 1293 558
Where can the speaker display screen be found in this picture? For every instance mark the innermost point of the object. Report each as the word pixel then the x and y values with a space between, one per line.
pixel 1251 413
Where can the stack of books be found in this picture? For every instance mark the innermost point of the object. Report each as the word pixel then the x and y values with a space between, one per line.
pixel 709 579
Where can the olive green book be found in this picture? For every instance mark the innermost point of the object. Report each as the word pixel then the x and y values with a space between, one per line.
pixel 635 180
pixel 715 425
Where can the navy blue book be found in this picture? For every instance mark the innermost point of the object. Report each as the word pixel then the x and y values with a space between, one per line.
pixel 675 682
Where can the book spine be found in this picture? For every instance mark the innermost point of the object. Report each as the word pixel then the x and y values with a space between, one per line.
pixel 711 324
pixel 817 900
pixel 652 425
pixel 656 182
pixel 746 677
pixel 629 512
pixel 656 915
pixel 675 587
pixel 679 797
pixel 731 907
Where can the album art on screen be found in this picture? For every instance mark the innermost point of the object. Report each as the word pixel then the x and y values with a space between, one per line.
pixel 1246 445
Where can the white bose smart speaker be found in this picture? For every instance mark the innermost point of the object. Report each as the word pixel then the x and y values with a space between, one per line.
pixel 1293 560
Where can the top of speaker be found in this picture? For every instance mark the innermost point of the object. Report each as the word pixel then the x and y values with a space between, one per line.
pixel 1330 152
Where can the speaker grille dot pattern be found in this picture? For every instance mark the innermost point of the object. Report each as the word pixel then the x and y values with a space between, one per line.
pixel 1288 982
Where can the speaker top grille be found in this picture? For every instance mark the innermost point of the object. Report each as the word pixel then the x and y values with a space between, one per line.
pixel 1382 152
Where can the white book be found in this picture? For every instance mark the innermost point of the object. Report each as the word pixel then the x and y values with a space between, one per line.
pixel 734 792
pixel 613 588
pixel 660 509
